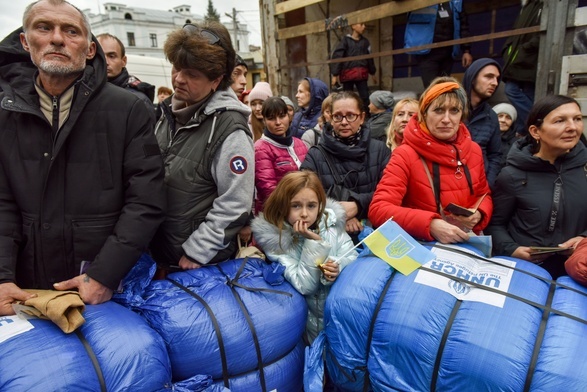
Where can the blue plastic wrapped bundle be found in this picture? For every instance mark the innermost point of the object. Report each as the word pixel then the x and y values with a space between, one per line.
pixel 129 355
pixel 226 321
pixel 396 332
pixel 283 375
pixel 562 363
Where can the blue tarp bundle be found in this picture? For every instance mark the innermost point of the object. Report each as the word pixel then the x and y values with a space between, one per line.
pixel 227 321
pixel 394 333
pixel 130 355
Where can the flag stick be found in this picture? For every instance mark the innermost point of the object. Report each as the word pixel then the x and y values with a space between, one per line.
pixel 363 240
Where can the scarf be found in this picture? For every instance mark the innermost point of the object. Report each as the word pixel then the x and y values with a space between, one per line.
pixel 350 141
pixel 286 140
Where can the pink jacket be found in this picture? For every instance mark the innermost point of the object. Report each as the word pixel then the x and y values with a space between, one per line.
pixel 404 191
pixel 272 162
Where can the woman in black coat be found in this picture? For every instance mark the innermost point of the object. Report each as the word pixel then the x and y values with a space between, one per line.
pixel 356 160
pixel 539 199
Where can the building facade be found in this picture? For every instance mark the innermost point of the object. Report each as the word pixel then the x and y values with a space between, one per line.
pixel 143 31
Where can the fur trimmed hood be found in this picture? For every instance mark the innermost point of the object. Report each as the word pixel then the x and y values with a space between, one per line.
pixel 267 235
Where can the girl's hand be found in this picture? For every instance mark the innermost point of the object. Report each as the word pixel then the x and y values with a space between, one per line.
pixel 302 229
pixel 330 269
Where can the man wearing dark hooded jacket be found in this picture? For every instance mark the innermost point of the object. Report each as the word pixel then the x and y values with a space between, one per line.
pixel 81 176
pixel 115 55
pixel 480 82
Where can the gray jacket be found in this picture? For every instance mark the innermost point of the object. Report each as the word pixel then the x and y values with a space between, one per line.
pixel 209 178
pixel 301 257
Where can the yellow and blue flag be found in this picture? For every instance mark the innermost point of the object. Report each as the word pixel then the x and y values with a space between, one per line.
pixel 397 248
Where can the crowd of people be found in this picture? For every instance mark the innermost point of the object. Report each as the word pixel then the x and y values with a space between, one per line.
pixel 91 179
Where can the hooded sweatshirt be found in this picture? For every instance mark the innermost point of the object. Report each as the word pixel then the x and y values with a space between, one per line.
pixel 483 123
pixel 307 118
pixel 209 177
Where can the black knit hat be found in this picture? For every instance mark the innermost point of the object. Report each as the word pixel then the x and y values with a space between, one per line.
pixel 239 61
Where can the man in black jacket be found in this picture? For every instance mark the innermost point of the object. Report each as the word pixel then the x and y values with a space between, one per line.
pixel 118 75
pixel 520 56
pixel 81 176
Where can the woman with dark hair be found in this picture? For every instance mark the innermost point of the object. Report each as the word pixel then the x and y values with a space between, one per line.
pixel 276 152
pixel 347 160
pixel 540 194
pixel 207 148
pixel 437 165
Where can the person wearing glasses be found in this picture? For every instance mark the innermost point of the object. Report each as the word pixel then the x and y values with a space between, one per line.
pixel 207 149
pixel 437 164
pixel 347 160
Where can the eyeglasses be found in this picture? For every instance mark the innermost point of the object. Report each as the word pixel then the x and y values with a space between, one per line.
pixel 210 36
pixel 350 117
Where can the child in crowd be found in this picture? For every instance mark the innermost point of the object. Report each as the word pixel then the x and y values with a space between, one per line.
pixel 506 115
pixel 312 136
pixel 306 233
pixel 276 152
pixel 356 72
pixel 257 96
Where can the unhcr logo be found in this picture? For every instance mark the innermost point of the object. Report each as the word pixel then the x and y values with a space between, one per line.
pixel 459 287
pixel 399 247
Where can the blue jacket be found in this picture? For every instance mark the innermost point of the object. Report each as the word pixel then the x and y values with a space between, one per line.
pixel 307 118
pixel 483 124
pixel 421 27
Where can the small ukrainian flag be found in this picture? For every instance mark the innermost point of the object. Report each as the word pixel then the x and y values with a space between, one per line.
pixel 397 248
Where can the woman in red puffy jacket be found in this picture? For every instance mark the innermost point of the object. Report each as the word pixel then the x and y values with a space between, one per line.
pixel 437 164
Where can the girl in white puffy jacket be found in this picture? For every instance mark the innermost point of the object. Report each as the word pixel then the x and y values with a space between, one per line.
pixel 305 232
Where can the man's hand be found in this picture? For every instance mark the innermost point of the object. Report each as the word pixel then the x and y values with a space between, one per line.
pixel 91 291
pixel 466 60
pixel 9 294
pixel 334 81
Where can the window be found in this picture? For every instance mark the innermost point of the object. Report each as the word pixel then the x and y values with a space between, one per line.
pixel 131 39
pixel 128 16
pixel 153 38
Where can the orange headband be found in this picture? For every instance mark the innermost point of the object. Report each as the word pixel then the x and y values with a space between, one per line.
pixel 437 90
pixel 434 92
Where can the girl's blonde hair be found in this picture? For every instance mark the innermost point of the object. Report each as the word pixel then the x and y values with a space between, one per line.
pixel 326 105
pixel 391 143
pixel 276 209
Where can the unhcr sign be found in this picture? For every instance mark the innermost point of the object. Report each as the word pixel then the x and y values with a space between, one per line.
pixel 451 272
